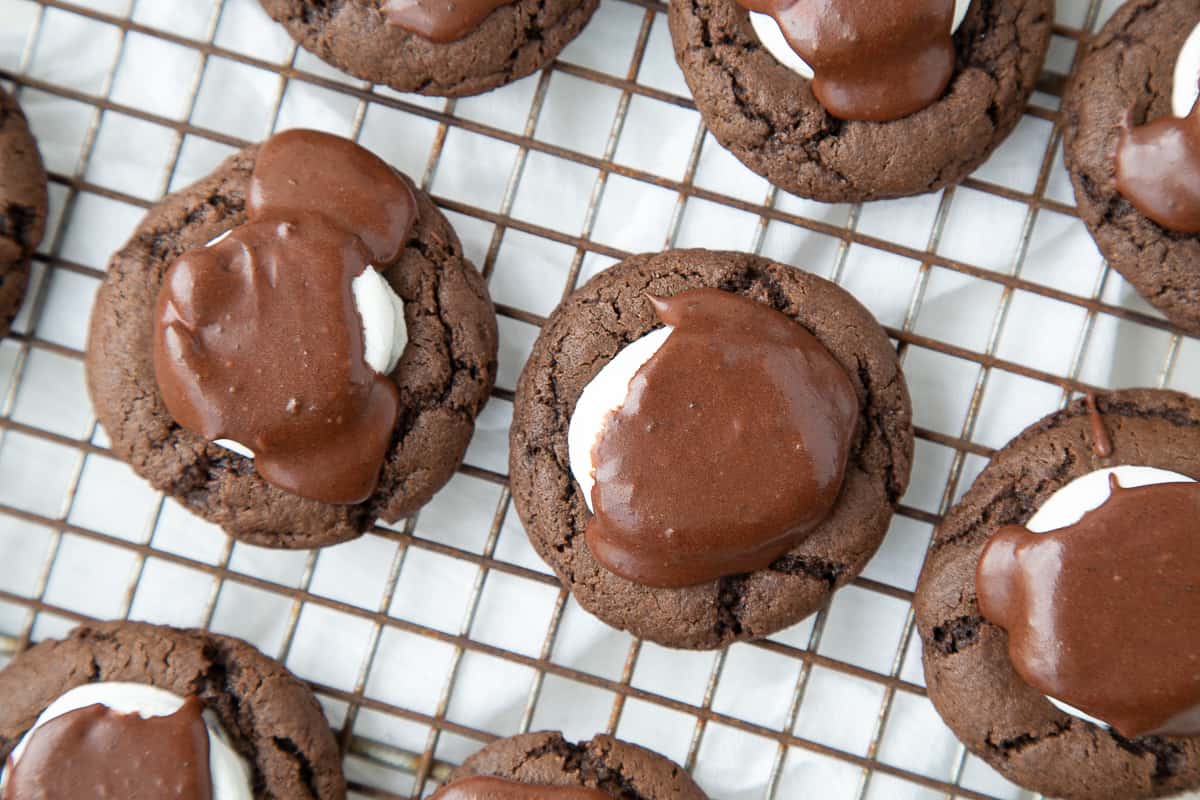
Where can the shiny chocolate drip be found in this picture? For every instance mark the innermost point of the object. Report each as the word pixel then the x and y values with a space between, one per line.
pixel 440 21
pixel 257 337
pixel 486 787
pixel 876 61
pixel 730 447
pixel 299 172
pixel 239 362
pixel 1101 441
pixel 98 752
pixel 1158 170
pixel 1105 614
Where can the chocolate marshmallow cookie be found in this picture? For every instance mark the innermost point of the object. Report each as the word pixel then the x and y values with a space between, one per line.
pixel 1058 607
pixel 295 345
pixel 446 49
pixel 1132 146
pixel 705 445
pixel 847 101
pixel 22 206
pixel 545 766
pixel 130 710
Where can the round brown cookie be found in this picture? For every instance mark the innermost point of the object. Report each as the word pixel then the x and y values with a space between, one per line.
pixel 271 717
pixel 1129 68
pixel 512 42
pixel 617 768
pixel 445 374
pixel 22 206
pixel 608 313
pixel 970 678
pixel 768 117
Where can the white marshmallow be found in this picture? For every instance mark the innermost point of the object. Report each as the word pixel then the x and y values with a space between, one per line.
pixel 230 774
pixel 604 393
pixel 382 311
pixel 1086 493
pixel 234 446
pixel 1187 76
pixel 772 38
pixel 385 333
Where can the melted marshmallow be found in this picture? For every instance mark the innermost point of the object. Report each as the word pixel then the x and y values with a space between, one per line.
pixel 382 311
pixel 230 774
pixel 604 393
pixel 1086 493
pixel 385 334
pixel 771 36
pixel 1187 76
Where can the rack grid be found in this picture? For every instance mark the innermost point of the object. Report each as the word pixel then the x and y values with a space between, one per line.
pixel 427 639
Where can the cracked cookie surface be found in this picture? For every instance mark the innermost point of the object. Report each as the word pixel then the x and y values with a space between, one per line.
pixel 444 376
pixel 768 117
pixel 272 718
pixel 584 334
pixel 622 770
pixel 967 669
pixel 1129 68
pixel 512 42
pixel 23 202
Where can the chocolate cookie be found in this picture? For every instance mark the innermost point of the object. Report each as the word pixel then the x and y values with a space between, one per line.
pixel 608 313
pixel 513 41
pixel 23 200
pixel 272 718
pixel 1129 69
pixel 768 116
pixel 614 768
pixel 968 671
pixel 444 376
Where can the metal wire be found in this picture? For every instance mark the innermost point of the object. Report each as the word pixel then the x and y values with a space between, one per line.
pixel 422 769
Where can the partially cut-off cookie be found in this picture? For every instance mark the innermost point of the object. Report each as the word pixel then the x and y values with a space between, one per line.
pixel 1125 80
pixel 546 766
pixel 766 113
pixel 983 691
pixel 495 43
pixel 72 705
pixel 23 202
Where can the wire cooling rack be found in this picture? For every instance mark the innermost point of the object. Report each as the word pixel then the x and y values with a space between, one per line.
pixel 426 640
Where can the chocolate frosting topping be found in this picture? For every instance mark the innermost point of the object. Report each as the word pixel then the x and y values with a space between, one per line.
pixel 730 447
pixel 486 787
pixel 876 61
pixel 1101 441
pixel 440 21
pixel 257 337
pixel 97 752
pixel 1158 170
pixel 301 172
pixel 1105 614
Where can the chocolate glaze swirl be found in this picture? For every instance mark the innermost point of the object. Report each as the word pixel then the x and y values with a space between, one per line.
pixel 875 61
pixel 730 447
pixel 1158 170
pixel 440 21
pixel 97 752
pixel 1105 614
pixel 257 337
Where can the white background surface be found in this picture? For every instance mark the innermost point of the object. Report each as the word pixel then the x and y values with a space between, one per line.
pixel 426 638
